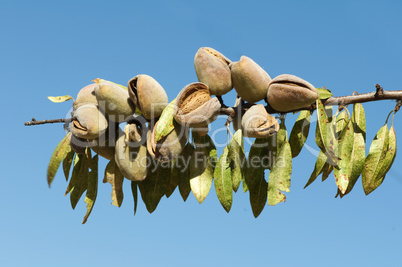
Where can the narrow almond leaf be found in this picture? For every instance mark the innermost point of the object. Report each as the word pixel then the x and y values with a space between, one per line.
pixel 299 133
pixel 279 177
pixel 340 124
pixel 173 179
pixel 318 138
pixel 237 159
pixel 67 161
pixel 389 157
pixel 134 191
pixel 257 161
pixel 326 170
pixel 82 181
pixel 324 93
pixel 202 166
pixel 182 170
pixel 223 180
pixel 326 132
pixel 374 160
pixel 358 153
pixel 59 99
pixel 58 155
pixel 318 168
pixel 92 190
pixel 153 188
pixel 258 196
pixel 344 172
pixel 78 160
pixel 166 122
pixel 281 136
pixel 115 178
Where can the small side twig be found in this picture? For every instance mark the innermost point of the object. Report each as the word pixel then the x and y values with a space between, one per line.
pixel 35 122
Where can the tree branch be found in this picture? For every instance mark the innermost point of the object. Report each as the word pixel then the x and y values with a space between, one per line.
pixel 231 112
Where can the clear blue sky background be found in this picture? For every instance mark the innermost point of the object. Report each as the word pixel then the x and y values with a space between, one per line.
pixel 57 47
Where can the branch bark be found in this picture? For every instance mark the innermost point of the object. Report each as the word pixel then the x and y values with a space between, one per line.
pixel 378 95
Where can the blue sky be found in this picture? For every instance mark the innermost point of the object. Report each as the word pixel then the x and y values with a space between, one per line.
pixel 57 47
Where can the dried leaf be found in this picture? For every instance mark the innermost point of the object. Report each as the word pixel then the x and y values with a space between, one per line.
pixel 279 177
pixel 182 170
pixel 324 93
pixel 67 161
pixel 58 155
pixel 318 168
pixel 92 190
pixel 115 178
pixel 81 184
pixel 202 166
pixel 166 122
pixel 134 191
pixel 299 133
pixel 59 99
pixel 223 180
pixel 374 161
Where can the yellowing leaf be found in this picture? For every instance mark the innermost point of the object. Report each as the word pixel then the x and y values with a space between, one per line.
pixel 389 157
pixel 344 172
pixel 99 80
pixel 299 133
pixel 58 155
pixel 223 180
pixel 326 132
pixel 166 122
pixel 279 177
pixel 202 166
pixel 115 178
pixel 92 186
pixel 324 93
pixel 374 161
pixel 59 99
pixel 318 168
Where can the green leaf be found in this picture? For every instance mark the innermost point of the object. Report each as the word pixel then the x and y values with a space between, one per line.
pixel 340 124
pixel 223 180
pixel 202 166
pixel 134 191
pixel 279 177
pixel 237 159
pixel 299 133
pixel 78 160
pixel 92 190
pixel 281 136
pixel 260 157
pixel 182 170
pixel 166 122
pixel 358 153
pixel 326 133
pixel 153 188
pixel 318 168
pixel 59 99
pixel 344 172
pixel 67 161
pixel 258 196
pixel 81 184
pixel 324 93
pixel 326 170
pixel 374 161
pixel 115 178
pixel 173 179
pixel 58 155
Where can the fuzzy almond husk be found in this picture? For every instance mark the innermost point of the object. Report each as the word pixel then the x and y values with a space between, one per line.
pixel 256 122
pixel 148 95
pixel 101 145
pixel 88 122
pixel 114 101
pixel 132 158
pixel 194 106
pixel 249 79
pixel 170 146
pixel 212 68
pixel 288 92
